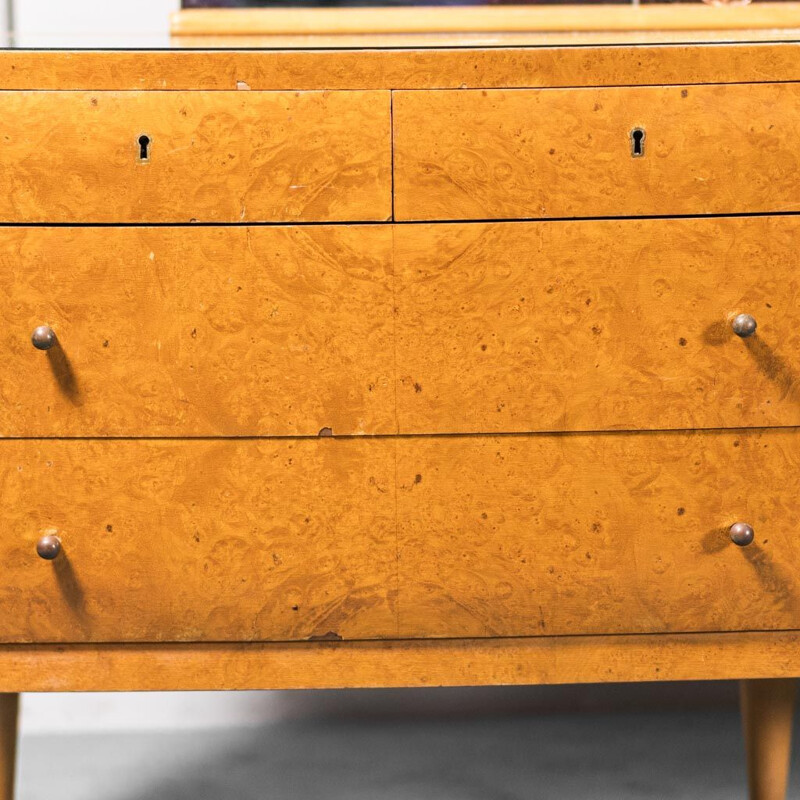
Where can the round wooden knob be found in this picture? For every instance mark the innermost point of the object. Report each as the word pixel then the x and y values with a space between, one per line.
pixel 744 325
pixel 48 547
pixel 742 533
pixel 43 338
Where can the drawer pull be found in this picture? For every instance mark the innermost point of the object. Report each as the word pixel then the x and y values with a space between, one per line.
pixel 43 338
pixel 742 533
pixel 744 325
pixel 48 547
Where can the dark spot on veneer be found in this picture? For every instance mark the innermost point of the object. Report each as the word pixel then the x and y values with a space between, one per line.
pixel 330 636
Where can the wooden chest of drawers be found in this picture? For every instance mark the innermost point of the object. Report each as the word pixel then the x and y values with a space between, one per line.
pixel 401 368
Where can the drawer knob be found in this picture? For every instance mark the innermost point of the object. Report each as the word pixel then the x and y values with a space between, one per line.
pixel 743 325
pixel 48 547
pixel 43 338
pixel 742 533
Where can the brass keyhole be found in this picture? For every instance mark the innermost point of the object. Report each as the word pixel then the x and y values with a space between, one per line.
pixel 144 147
pixel 637 142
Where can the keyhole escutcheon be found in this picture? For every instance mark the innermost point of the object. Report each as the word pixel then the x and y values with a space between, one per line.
pixel 144 147
pixel 637 142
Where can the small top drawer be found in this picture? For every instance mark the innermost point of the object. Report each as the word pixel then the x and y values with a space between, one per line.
pixel 195 156
pixel 514 154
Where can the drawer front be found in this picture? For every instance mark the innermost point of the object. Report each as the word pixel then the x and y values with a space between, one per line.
pixel 617 533
pixel 597 325
pixel 508 154
pixel 197 541
pixel 207 156
pixel 197 331
pixel 225 540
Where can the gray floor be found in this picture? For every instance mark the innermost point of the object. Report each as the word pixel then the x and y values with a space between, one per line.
pixel 587 756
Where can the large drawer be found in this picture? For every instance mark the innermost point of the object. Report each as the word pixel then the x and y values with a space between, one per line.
pixel 181 540
pixel 197 331
pixel 508 154
pixel 597 325
pixel 398 537
pixel 195 156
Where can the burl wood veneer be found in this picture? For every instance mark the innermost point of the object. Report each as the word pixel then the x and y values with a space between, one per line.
pixel 402 366
pixel 178 331
pixel 236 156
pixel 505 154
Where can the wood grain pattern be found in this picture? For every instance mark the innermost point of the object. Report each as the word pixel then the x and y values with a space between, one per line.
pixel 9 709
pixel 678 16
pixel 436 67
pixel 585 534
pixel 198 331
pixel 431 662
pixel 507 327
pixel 567 153
pixel 214 157
pixel 596 325
pixel 198 540
pixel 767 716
pixel 176 540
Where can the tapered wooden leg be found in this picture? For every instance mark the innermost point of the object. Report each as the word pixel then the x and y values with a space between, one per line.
pixel 767 710
pixel 9 708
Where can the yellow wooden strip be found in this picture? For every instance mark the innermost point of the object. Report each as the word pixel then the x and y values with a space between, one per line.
pixel 414 68
pixel 570 153
pixel 299 41
pixel 206 157
pixel 680 16
pixel 595 325
pixel 467 662
pixel 221 540
pixel 198 331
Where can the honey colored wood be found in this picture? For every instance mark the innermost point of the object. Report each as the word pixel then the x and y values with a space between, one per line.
pixel 503 327
pixel 239 540
pixel 212 157
pixel 595 325
pixel 681 16
pixel 432 662
pixel 198 331
pixel 220 540
pixel 9 708
pixel 568 153
pixel 767 716
pixel 590 534
pixel 476 39
pixel 303 68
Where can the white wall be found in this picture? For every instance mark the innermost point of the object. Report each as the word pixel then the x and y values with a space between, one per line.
pixel 101 22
